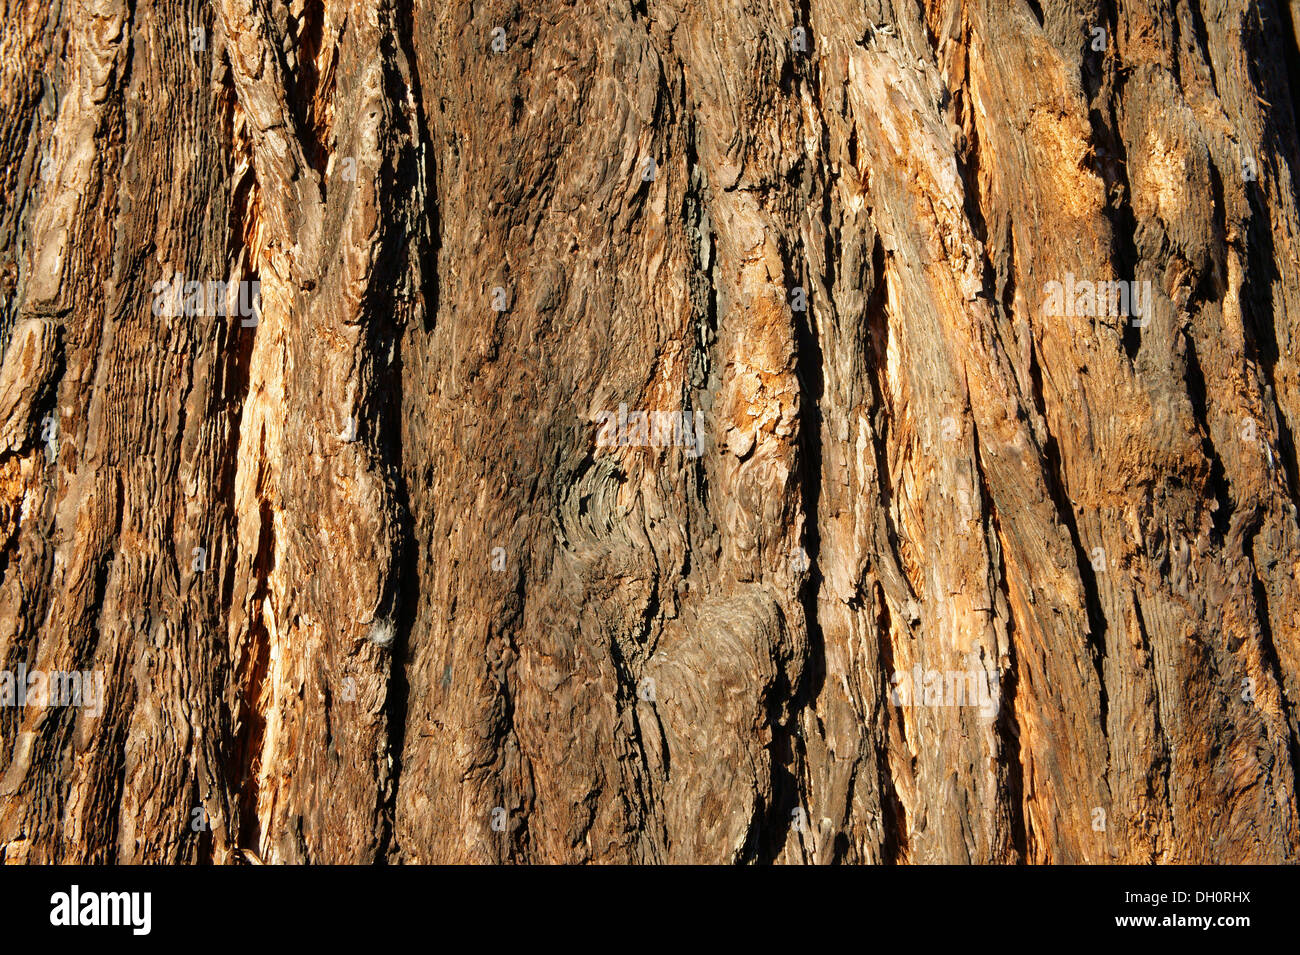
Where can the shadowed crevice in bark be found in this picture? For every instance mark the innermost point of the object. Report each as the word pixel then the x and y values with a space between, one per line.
pixel 250 716
pixel 1275 666
pixel 1216 484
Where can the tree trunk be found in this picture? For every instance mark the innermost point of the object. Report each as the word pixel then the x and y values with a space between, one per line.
pixel 670 432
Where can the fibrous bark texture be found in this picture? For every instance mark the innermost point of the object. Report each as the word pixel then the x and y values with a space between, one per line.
pixel 661 431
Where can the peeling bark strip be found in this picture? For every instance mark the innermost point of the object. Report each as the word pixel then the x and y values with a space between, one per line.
pixel 691 432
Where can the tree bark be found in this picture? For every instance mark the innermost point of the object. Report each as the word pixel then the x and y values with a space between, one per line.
pixel 969 564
